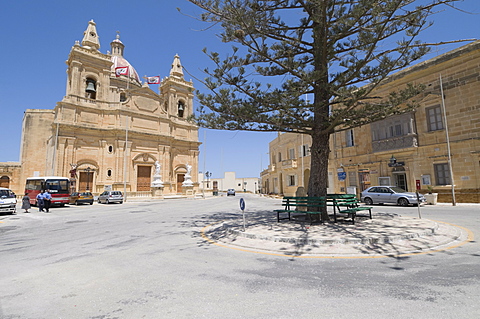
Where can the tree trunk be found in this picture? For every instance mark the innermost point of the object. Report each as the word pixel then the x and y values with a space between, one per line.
pixel 320 151
pixel 320 135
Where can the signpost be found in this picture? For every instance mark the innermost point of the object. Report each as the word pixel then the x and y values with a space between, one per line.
pixel 242 207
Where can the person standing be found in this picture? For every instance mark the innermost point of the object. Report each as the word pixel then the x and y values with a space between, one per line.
pixel 40 202
pixel 47 198
pixel 26 203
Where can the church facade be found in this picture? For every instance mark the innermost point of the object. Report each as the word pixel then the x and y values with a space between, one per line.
pixel 111 131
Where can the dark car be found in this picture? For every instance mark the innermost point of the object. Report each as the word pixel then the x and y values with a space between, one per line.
pixel 78 198
pixel 108 197
pixel 390 195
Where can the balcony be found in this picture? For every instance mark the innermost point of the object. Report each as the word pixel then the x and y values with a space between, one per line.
pixel 395 143
pixel 291 163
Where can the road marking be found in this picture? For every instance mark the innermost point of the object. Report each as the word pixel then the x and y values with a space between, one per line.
pixel 470 238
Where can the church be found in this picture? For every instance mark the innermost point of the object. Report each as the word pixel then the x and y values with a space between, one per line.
pixel 111 131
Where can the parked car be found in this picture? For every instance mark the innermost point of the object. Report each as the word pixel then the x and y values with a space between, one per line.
pixel 390 195
pixel 108 197
pixel 78 198
pixel 230 191
pixel 8 201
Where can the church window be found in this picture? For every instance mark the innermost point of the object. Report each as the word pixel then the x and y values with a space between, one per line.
pixel 123 97
pixel 91 89
pixel 110 149
pixel 181 109
pixel 109 173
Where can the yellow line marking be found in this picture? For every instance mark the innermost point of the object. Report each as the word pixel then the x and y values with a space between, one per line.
pixel 470 238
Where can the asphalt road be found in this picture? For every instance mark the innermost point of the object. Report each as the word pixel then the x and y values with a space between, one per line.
pixel 149 260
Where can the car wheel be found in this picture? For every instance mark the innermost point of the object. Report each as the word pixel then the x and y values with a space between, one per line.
pixel 403 202
pixel 91 203
pixel 121 202
pixel 99 201
pixel 368 201
pixel 107 202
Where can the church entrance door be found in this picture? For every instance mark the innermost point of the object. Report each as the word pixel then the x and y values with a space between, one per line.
pixel 85 182
pixel 180 179
pixel 143 178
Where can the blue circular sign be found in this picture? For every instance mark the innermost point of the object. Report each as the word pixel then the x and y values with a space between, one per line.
pixel 242 204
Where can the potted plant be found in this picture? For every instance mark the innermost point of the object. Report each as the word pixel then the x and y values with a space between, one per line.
pixel 431 197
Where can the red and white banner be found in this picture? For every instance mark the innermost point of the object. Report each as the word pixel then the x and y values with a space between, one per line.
pixel 153 80
pixel 121 70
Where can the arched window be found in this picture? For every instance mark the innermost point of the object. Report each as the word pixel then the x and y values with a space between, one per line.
pixel 5 181
pixel 181 108
pixel 109 173
pixel 123 97
pixel 91 89
pixel 110 149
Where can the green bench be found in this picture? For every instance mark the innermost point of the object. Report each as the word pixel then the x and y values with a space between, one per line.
pixel 302 205
pixel 346 204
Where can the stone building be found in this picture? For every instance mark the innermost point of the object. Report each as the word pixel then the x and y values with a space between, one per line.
pixel 417 150
pixel 110 129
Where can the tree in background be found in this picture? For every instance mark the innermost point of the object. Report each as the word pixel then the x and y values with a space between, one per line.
pixel 337 51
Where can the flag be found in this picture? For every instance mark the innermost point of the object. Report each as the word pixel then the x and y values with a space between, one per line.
pixel 121 70
pixel 153 80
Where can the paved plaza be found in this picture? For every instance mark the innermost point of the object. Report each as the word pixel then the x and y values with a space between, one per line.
pixel 192 258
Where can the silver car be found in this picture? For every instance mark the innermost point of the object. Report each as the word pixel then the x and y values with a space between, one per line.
pixel 108 197
pixel 390 195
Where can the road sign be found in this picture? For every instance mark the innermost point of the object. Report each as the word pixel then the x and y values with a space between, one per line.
pixel 242 204
pixel 242 207
pixel 342 176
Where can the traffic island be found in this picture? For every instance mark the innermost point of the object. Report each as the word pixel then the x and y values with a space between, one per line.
pixel 385 235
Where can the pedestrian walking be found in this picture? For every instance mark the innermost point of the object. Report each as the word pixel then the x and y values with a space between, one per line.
pixel 26 203
pixel 47 200
pixel 40 202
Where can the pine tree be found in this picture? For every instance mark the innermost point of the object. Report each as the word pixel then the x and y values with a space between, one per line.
pixel 336 51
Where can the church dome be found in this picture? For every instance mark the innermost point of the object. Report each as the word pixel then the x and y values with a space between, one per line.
pixel 119 61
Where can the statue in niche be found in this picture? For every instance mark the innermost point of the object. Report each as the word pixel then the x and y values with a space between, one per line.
pixel 158 168
pixel 188 176
pixel 157 177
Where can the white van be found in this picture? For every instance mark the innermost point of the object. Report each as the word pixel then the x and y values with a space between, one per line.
pixel 8 201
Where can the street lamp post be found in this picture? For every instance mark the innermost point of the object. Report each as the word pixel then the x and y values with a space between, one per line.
pixel 449 154
pixel 207 175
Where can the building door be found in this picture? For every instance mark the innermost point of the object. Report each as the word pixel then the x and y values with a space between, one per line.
pixel 5 182
pixel 401 181
pixel 143 178
pixel 85 182
pixel 364 178
pixel 280 182
pixel 180 180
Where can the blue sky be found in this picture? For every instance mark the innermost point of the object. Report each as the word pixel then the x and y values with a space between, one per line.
pixel 38 35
